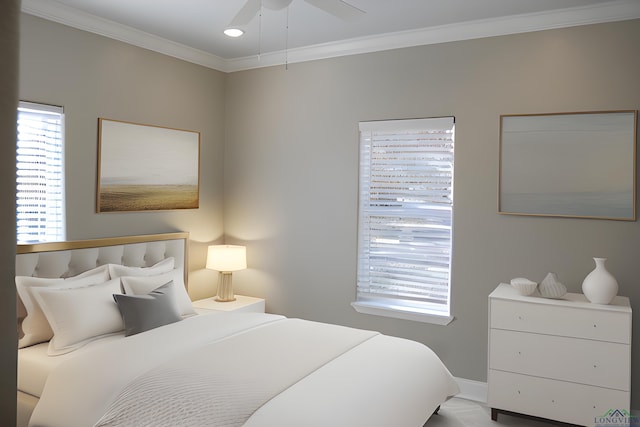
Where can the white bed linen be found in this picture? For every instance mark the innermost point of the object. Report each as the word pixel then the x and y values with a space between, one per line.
pixel 34 364
pixel 349 390
pixel 384 382
pixel 79 390
pixel 226 381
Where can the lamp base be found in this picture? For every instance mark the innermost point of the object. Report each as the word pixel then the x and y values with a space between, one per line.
pixel 224 300
pixel 225 287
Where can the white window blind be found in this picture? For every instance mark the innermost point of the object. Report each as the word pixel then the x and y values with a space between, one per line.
pixel 40 213
pixel 405 217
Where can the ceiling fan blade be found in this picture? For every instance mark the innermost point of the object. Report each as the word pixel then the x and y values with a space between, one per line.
pixel 338 8
pixel 246 14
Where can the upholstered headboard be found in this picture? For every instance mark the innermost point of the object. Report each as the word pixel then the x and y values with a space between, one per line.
pixel 66 259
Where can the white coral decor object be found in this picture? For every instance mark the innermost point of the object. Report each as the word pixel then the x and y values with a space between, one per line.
pixel 550 287
pixel 524 286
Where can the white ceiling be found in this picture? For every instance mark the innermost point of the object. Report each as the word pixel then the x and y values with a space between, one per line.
pixel 192 29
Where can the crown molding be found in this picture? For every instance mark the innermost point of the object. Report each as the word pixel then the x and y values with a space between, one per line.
pixel 62 14
pixel 617 10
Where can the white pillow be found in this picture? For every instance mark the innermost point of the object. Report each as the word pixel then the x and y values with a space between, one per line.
pixel 35 327
pixel 164 266
pixel 144 285
pixel 80 315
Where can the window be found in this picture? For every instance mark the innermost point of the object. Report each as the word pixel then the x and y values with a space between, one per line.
pixel 40 214
pixel 405 219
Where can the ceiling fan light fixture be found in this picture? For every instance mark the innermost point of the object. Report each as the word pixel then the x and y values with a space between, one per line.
pixel 233 32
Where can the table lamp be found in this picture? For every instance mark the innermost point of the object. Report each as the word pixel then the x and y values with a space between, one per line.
pixel 226 259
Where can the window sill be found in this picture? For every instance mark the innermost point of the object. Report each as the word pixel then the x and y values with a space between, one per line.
pixel 416 316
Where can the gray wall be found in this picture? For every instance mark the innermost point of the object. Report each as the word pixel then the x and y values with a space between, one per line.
pixel 291 165
pixel 92 76
pixel 8 103
pixel 288 143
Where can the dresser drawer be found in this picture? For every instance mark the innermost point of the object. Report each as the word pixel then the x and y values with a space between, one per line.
pixel 561 320
pixel 581 361
pixel 557 400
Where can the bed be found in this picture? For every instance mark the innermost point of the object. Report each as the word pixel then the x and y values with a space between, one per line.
pixel 108 337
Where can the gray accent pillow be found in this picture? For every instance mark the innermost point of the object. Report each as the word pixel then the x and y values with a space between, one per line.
pixel 141 313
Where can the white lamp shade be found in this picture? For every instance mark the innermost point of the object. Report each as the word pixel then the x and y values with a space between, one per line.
pixel 227 257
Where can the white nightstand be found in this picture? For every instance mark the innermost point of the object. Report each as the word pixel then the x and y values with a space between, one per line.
pixel 242 303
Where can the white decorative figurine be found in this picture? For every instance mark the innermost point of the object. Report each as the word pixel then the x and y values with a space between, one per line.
pixel 550 287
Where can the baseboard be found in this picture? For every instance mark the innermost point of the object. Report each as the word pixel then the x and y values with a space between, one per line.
pixel 472 390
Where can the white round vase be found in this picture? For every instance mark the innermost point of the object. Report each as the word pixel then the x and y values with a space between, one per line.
pixel 600 287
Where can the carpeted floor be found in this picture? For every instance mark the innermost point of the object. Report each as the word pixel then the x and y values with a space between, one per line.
pixel 465 413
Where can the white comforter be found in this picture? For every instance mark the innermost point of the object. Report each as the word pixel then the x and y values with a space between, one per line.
pixel 257 370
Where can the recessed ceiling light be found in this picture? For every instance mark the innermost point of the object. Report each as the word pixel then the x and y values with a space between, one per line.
pixel 233 32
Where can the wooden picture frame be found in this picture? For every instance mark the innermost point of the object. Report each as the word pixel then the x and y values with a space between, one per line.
pixel 580 165
pixel 146 167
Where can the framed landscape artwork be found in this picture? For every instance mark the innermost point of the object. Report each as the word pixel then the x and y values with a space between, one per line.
pixel 146 168
pixel 569 165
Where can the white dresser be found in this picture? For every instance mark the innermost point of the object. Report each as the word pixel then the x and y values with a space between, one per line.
pixel 566 360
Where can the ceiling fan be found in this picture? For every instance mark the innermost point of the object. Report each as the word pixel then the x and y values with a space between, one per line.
pixel 338 8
